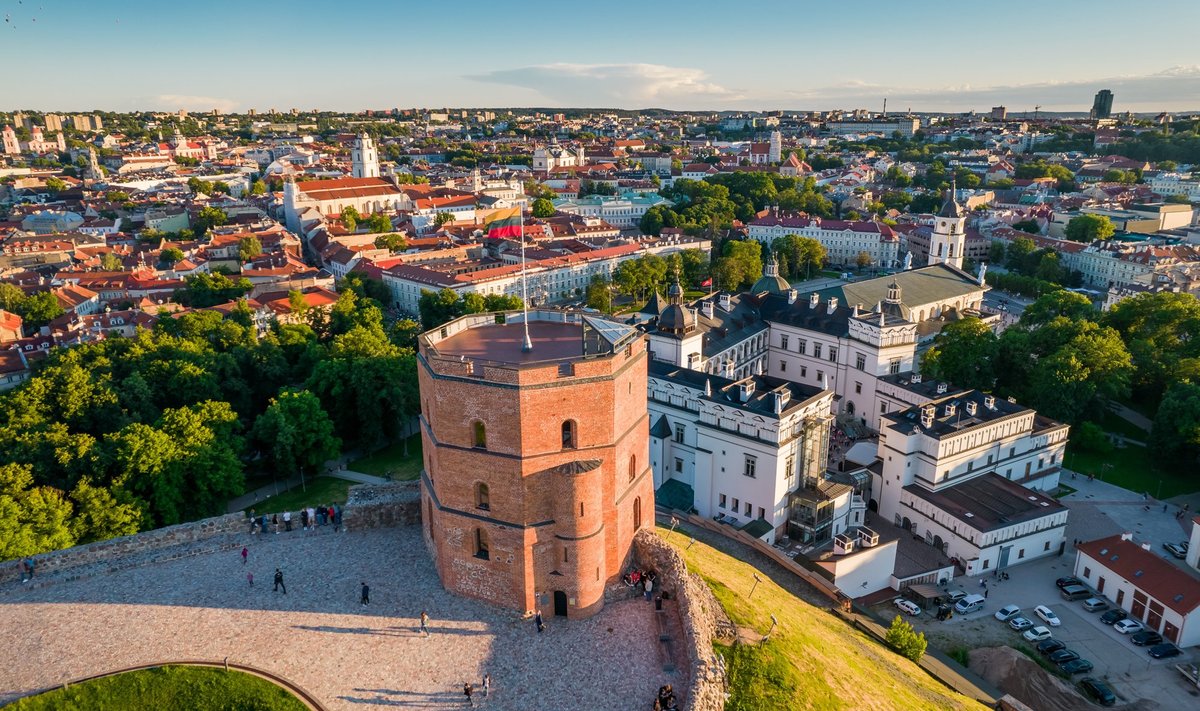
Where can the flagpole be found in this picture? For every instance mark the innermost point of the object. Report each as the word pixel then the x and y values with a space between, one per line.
pixel 528 345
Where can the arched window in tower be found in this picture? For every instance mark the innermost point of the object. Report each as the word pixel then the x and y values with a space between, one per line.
pixel 637 513
pixel 478 435
pixel 632 466
pixel 481 544
pixel 482 500
pixel 568 435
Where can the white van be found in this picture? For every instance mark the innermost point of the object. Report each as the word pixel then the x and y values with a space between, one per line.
pixel 969 604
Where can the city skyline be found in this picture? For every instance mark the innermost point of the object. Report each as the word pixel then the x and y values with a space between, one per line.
pixel 942 57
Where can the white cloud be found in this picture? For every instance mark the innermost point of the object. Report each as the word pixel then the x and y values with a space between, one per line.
pixel 174 102
pixel 1173 89
pixel 617 85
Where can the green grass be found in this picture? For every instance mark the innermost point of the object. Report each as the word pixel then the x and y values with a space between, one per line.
pixel 319 490
pixel 1135 469
pixel 167 689
pixel 814 659
pixel 390 461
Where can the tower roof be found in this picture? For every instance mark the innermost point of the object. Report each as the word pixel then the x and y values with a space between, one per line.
pixel 951 206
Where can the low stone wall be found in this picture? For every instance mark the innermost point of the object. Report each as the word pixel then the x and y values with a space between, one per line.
pixel 135 546
pixel 701 616
pixel 383 505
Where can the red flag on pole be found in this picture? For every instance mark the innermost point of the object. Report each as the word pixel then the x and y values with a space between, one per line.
pixel 706 282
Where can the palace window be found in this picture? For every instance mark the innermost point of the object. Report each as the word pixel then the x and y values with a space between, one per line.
pixel 482 500
pixel 479 435
pixel 481 544
pixel 568 434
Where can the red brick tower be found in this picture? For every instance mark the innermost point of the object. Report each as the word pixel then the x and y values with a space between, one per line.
pixel 537 469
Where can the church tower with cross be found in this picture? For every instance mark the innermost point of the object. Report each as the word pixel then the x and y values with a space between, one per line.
pixel 949 238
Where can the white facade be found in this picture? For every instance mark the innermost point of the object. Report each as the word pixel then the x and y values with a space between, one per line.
pixel 742 461
pixel 843 240
pixel 364 159
pixel 617 211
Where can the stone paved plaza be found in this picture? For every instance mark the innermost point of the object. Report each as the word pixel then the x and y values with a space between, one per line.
pixel 319 635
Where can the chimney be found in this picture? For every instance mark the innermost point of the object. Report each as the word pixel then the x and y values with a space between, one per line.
pixel 989 401
pixel 927 414
pixel 856 310
pixel 745 389
pixel 941 388
pixel 1127 536
pixel 916 378
pixel 725 301
pixel 972 408
pixel 792 295
pixel 832 305
pixel 727 369
pixel 949 410
pixel 708 307
pixel 813 299
pixel 1146 546
pixel 695 318
pixel 708 387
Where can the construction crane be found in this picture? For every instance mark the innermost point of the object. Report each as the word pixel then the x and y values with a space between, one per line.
pixel 1035 111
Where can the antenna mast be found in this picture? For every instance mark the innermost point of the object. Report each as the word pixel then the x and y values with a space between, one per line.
pixel 528 345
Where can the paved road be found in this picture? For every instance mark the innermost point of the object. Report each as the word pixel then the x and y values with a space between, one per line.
pixel 1133 417
pixel 319 636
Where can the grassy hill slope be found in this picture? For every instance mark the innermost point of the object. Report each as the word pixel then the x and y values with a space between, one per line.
pixel 813 660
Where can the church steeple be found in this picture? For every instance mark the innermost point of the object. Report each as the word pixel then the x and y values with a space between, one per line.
pixel 364 160
pixel 948 240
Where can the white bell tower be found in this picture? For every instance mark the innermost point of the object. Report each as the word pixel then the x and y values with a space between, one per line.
pixel 363 158
pixel 949 238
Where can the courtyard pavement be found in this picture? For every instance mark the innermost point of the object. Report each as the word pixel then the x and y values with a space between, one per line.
pixel 319 636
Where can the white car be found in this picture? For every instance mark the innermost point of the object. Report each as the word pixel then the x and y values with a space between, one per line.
pixel 1007 612
pixel 907 606
pixel 1020 623
pixel 1047 615
pixel 1128 626
pixel 1037 634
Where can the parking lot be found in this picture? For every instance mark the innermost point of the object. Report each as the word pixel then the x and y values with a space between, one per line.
pixel 1097 510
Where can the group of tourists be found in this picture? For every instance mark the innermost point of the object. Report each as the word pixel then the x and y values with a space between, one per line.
pixel 310 519
pixel 666 699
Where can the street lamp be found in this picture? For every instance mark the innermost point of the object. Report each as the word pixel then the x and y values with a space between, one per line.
pixel 767 636
pixel 757 580
pixel 674 523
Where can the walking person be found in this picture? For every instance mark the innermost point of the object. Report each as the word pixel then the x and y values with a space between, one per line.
pixel 469 692
pixel 366 593
pixel 253 520
pixel 487 685
pixel 424 623
pixel 245 552
pixel 537 620
pixel 275 523
pixel 287 520
pixel 279 581
pixel 304 519
pixel 649 587
pixel 250 579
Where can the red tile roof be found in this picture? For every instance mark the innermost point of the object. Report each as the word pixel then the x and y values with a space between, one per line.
pixel 1163 581
pixel 343 188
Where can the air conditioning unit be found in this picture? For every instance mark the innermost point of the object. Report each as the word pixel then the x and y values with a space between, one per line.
pixel 867 538
pixel 843 544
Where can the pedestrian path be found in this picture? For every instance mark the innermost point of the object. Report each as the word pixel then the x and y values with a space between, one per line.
pixel 250 498
pixel 359 477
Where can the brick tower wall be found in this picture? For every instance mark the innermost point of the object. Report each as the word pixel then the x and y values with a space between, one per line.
pixel 537 539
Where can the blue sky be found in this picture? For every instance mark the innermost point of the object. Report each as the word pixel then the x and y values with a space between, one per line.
pixel 937 55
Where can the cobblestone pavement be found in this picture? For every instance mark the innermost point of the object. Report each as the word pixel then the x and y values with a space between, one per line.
pixel 319 636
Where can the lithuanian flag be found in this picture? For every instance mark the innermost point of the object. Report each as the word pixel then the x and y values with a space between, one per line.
pixel 504 223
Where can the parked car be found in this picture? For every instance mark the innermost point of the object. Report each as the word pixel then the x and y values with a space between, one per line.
pixel 1127 626
pixel 1037 634
pixel 1094 604
pixel 1049 646
pixel 1007 612
pixel 1179 550
pixel 907 606
pixel 969 604
pixel 954 596
pixel 1075 592
pixel 1164 650
pixel 1047 615
pixel 1063 655
pixel 1114 615
pixel 1020 623
pixel 1098 691
pixel 1069 580
pixel 1146 638
pixel 1076 666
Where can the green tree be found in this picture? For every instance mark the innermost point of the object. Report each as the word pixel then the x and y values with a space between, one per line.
pixel 391 241
pixel 380 223
pixel 1160 330
pixel 110 262
pixel 599 293
pixel 1091 437
pixel 33 519
pixel 1031 226
pixel 99 515
pixel 1176 430
pixel 208 218
pixel 442 218
pixel 170 255
pixel 996 252
pixel 11 297
pixel 862 260
pixel 963 353
pixel 905 640
pixel 695 266
pixel 803 255
pixel 258 187
pixel 748 256
pixel 205 290
pixel 543 208
pixel 295 434
pixel 55 185
pixel 39 309
pixel 1016 252
pixel 1058 303
pixel 249 247
pixel 652 221
pixel 1088 228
